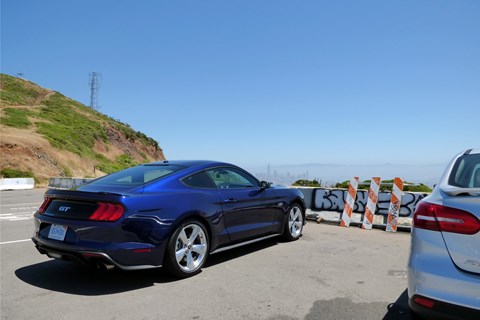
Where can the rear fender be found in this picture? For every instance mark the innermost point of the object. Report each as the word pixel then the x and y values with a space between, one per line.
pixel 215 225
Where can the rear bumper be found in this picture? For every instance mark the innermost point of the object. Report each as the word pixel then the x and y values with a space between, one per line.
pixel 125 259
pixel 449 285
pixel 432 274
pixel 133 243
pixel 443 310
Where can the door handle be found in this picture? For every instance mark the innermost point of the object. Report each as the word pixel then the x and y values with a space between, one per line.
pixel 231 200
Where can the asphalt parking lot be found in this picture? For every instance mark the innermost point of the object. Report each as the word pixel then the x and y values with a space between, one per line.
pixel 330 273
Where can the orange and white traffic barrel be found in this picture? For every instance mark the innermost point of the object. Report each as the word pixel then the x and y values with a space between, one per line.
pixel 395 203
pixel 349 202
pixel 371 203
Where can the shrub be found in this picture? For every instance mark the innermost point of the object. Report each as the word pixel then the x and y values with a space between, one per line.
pixel 123 161
pixel 12 173
pixel 308 183
pixel 407 187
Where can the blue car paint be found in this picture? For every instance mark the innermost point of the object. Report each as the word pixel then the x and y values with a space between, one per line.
pixel 154 210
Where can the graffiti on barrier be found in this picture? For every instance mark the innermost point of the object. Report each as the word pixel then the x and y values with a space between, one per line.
pixel 334 199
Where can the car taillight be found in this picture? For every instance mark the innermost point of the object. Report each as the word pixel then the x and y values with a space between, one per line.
pixel 441 218
pixel 44 205
pixel 107 212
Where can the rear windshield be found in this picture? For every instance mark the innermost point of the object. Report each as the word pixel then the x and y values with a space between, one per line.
pixel 466 172
pixel 137 176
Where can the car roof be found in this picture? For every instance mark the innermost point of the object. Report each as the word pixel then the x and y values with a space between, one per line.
pixel 188 163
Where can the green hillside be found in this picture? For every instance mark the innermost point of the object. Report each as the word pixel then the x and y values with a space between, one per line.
pixel 68 126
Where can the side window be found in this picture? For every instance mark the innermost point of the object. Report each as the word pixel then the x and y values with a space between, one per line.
pixel 475 180
pixel 199 180
pixel 466 172
pixel 232 179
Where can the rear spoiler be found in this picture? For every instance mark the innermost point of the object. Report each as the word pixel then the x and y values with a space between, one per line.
pixel 83 195
pixel 455 191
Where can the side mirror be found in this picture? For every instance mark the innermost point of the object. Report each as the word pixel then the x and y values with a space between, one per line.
pixel 264 185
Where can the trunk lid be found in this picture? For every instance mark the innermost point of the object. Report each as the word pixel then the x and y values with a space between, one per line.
pixel 464 249
pixel 76 205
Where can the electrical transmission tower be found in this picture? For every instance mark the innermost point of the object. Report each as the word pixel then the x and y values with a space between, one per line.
pixel 94 83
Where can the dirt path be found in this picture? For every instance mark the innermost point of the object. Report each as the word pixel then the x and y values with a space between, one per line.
pixel 43 96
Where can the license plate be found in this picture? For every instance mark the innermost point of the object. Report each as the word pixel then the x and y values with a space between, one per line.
pixel 57 232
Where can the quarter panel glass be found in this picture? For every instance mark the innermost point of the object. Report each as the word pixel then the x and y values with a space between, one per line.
pixel 466 172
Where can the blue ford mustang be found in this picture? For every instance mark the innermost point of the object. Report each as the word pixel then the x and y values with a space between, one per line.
pixel 171 213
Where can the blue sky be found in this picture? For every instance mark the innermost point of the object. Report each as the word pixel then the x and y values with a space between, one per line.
pixel 265 82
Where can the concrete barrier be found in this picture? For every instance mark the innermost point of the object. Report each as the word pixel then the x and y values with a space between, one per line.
pixel 67 183
pixel 17 184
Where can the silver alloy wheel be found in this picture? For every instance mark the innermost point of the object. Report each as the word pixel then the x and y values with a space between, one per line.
pixel 295 221
pixel 190 248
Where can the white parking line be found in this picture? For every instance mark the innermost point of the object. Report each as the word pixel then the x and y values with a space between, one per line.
pixel 16 241
pixel 20 204
pixel 17 212
pixel 24 208
pixel 16 216
pixel 13 213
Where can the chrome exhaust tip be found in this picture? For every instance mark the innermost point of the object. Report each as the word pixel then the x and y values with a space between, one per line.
pixel 103 266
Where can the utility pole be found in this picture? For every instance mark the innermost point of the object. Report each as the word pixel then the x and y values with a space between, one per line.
pixel 94 83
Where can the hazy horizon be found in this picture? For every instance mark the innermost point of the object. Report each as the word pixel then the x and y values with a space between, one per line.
pixel 332 173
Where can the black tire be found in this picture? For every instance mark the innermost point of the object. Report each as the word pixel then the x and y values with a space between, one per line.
pixel 187 249
pixel 294 223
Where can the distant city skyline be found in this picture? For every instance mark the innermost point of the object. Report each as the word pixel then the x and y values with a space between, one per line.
pixel 329 174
pixel 354 83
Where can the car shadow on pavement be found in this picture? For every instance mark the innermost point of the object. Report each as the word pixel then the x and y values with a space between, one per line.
pixel 399 310
pixel 70 278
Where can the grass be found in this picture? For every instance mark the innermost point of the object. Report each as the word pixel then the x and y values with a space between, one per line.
pixel 15 92
pixel 68 129
pixel 74 127
pixel 17 118
pixel 65 122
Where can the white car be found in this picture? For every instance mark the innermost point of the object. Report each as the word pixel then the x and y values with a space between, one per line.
pixel 444 264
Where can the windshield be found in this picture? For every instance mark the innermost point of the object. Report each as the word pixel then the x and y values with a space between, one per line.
pixel 466 172
pixel 137 176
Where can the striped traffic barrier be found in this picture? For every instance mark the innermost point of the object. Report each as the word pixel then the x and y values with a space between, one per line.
pixel 349 202
pixel 395 202
pixel 371 203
